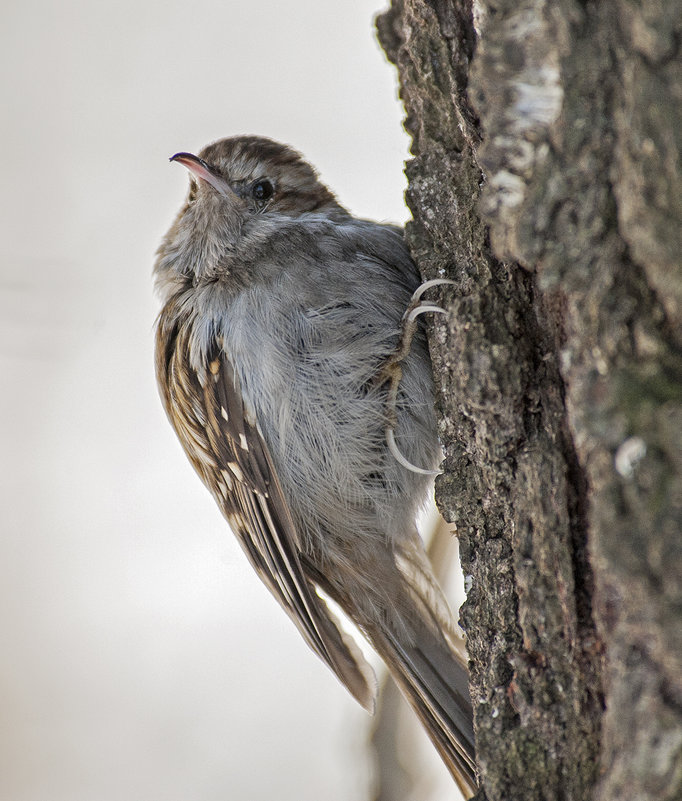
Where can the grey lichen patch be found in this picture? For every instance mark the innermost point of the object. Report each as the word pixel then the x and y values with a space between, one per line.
pixel 516 79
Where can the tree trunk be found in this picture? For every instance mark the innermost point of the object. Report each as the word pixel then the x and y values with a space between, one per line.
pixel 545 183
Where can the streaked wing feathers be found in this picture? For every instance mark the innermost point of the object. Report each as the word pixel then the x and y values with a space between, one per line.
pixel 223 442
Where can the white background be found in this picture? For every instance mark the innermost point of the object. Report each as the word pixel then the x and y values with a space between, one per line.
pixel 140 658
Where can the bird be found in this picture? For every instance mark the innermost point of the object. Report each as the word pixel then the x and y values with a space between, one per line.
pixel 303 397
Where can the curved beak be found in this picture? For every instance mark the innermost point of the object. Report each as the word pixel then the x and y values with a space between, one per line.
pixel 202 170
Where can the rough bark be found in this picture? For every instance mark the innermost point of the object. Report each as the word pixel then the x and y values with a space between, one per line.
pixel 545 183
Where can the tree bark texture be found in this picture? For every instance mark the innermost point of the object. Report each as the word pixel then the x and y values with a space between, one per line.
pixel 546 184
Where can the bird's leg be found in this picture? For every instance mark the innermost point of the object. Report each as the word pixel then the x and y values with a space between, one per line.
pixel 392 373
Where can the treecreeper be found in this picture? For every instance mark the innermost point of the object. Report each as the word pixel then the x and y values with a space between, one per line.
pixel 307 408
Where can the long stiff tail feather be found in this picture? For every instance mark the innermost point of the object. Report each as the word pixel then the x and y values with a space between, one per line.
pixel 422 654
pixel 434 680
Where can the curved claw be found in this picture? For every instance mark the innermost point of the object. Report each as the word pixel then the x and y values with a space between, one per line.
pixel 419 291
pixel 424 307
pixel 393 448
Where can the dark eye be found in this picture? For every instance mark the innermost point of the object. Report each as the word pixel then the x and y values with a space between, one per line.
pixel 262 190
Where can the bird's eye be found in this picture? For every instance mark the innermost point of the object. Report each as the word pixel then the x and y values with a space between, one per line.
pixel 262 190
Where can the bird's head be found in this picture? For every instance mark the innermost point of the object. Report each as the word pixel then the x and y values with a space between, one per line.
pixel 237 186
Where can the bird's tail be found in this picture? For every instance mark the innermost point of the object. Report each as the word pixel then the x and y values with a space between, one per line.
pixel 401 609
pixel 434 679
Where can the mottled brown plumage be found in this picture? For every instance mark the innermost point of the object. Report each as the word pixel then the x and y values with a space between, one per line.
pixel 280 313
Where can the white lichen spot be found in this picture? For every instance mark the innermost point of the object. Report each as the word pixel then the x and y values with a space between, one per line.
pixel 468 583
pixel 629 455
pixel 508 187
pixel 539 99
pixel 480 17
pixel 600 362
pixel 565 359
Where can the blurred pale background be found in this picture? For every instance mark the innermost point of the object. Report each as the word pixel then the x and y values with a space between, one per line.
pixel 141 658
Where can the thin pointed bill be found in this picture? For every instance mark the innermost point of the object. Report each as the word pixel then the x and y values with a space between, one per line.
pixel 200 169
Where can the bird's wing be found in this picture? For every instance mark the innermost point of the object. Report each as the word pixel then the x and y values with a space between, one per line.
pixel 223 441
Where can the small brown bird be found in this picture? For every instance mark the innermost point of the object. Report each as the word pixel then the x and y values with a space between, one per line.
pixel 276 360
